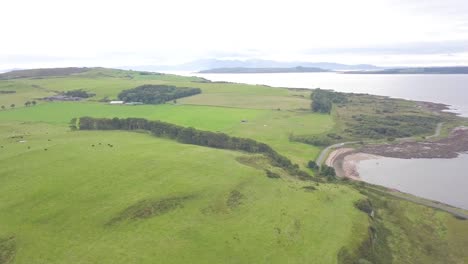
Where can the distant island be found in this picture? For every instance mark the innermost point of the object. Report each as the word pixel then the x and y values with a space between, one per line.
pixel 417 70
pixel 264 70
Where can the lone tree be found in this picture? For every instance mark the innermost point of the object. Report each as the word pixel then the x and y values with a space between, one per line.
pixel 33 102
pixel 12 105
pixel 3 107
pixel 27 103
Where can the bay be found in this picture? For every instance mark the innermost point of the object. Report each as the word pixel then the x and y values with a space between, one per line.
pixel 442 180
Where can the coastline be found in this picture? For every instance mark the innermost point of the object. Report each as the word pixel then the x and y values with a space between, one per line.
pixel 346 163
pixel 345 160
pixel 438 108
pixel 445 148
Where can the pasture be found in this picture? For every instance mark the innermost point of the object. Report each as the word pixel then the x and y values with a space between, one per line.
pixel 59 204
pixel 268 126
pixel 128 197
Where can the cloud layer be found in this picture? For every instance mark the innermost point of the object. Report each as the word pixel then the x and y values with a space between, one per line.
pixel 113 33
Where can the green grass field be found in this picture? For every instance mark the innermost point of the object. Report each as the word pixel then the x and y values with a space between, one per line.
pixel 108 83
pixel 56 203
pixel 269 126
pixel 129 197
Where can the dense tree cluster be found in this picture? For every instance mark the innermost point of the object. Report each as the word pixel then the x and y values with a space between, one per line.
pixel 7 92
pixel 323 100
pixel 190 135
pixel 78 93
pixel 156 94
pixel 392 126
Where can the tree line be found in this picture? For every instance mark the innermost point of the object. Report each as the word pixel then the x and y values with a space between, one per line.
pixel 190 135
pixel 78 93
pixel 156 94
pixel 392 126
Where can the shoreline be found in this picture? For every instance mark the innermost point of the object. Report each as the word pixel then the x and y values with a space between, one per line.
pixel 346 163
pixel 346 160
pixel 444 148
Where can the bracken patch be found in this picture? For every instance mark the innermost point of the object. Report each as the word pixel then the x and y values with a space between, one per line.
pixel 7 250
pixel 309 188
pixel 235 199
pixel 257 162
pixel 151 208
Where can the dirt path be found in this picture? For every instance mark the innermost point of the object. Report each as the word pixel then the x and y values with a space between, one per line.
pixel 437 131
pixel 334 155
pixel 325 151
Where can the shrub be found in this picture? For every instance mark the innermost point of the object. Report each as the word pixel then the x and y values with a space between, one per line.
pixel 327 171
pixel 272 175
pixel 312 164
pixel 312 140
pixel 364 205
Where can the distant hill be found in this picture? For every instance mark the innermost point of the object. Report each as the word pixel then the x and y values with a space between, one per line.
pixel 205 64
pixel 417 70
pixel 42 72
pixel 9 70
pixel 263 70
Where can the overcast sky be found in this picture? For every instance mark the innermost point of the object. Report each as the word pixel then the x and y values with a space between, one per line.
pixel 51 33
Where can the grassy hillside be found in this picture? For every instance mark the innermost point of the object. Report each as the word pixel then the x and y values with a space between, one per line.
pixel 69 194
pixel 127 197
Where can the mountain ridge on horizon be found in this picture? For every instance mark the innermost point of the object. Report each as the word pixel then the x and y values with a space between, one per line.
pixel 206 64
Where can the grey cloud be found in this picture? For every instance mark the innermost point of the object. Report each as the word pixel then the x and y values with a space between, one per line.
pixel 450 8
pixel 416 48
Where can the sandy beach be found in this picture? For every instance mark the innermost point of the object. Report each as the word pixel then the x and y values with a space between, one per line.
pixel 346 161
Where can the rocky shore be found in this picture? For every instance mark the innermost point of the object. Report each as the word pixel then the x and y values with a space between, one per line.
pixel 446 148
pixel 345 160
